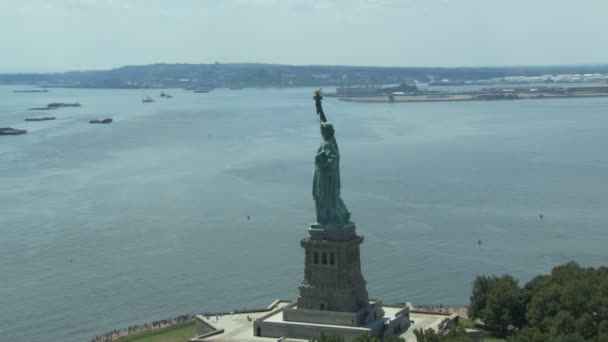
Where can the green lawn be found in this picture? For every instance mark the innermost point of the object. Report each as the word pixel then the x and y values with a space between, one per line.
pixel 491 339
pixel 180 332
pixel 466 323
pixel 485 335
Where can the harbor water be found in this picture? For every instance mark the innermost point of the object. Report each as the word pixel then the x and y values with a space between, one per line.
pixel 198 202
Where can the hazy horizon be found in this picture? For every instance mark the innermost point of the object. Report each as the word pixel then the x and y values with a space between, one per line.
pixel 50 71
pixel 66 35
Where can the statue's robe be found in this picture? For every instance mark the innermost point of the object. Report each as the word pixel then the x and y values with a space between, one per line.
pixel 330 208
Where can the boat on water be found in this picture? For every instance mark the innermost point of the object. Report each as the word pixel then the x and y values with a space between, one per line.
pixel 147 99
pixel 31 91
pixel 45 118
pixel 165 95
pixel 62 104
pixel 201 89
pixel 101 121
pixel 11 131
pixel 56 105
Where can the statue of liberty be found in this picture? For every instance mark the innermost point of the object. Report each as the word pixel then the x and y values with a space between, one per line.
pixel 331 210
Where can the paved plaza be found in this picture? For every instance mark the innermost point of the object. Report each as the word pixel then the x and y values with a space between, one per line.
pixel 239 326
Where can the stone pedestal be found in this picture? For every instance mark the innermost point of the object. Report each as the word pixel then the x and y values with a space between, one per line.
pixel 333 296
pixel 332 271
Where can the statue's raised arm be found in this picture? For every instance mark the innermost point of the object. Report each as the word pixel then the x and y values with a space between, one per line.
pixel 318 97
pixel 331 210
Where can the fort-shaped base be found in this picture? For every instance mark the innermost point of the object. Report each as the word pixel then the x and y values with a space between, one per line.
pixel 293 322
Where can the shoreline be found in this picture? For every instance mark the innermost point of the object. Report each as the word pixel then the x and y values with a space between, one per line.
pixel 465 97
pixel 161 324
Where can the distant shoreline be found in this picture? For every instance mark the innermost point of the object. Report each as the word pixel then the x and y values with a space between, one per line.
pixel 466 97
pixel 252 75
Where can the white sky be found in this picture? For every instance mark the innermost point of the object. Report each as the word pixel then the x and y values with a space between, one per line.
pixel 56 35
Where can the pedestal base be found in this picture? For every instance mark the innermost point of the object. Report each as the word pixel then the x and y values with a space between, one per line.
pixel 332 271
pixel 293 322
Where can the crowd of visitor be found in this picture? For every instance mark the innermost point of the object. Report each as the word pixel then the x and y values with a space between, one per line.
pixel 442 309
pixel 163 323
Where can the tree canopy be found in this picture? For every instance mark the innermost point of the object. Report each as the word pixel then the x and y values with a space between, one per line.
pixel 570 304
pixel 456 334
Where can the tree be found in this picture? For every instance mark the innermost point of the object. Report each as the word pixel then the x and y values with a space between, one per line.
pixel 601 338
pixel 498 302
pixel 479 296
pixel 530 335
pixel 562 324
pixel 570 338
pixel 544 303
pixel 325 338
pixel 568 305
pixel 367 338
pixel 603 328
pixel 585 326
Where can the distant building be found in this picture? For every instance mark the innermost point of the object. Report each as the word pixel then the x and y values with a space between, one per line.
pixel 357 90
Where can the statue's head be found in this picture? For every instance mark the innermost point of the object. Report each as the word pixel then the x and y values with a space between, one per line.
pixel 327 130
